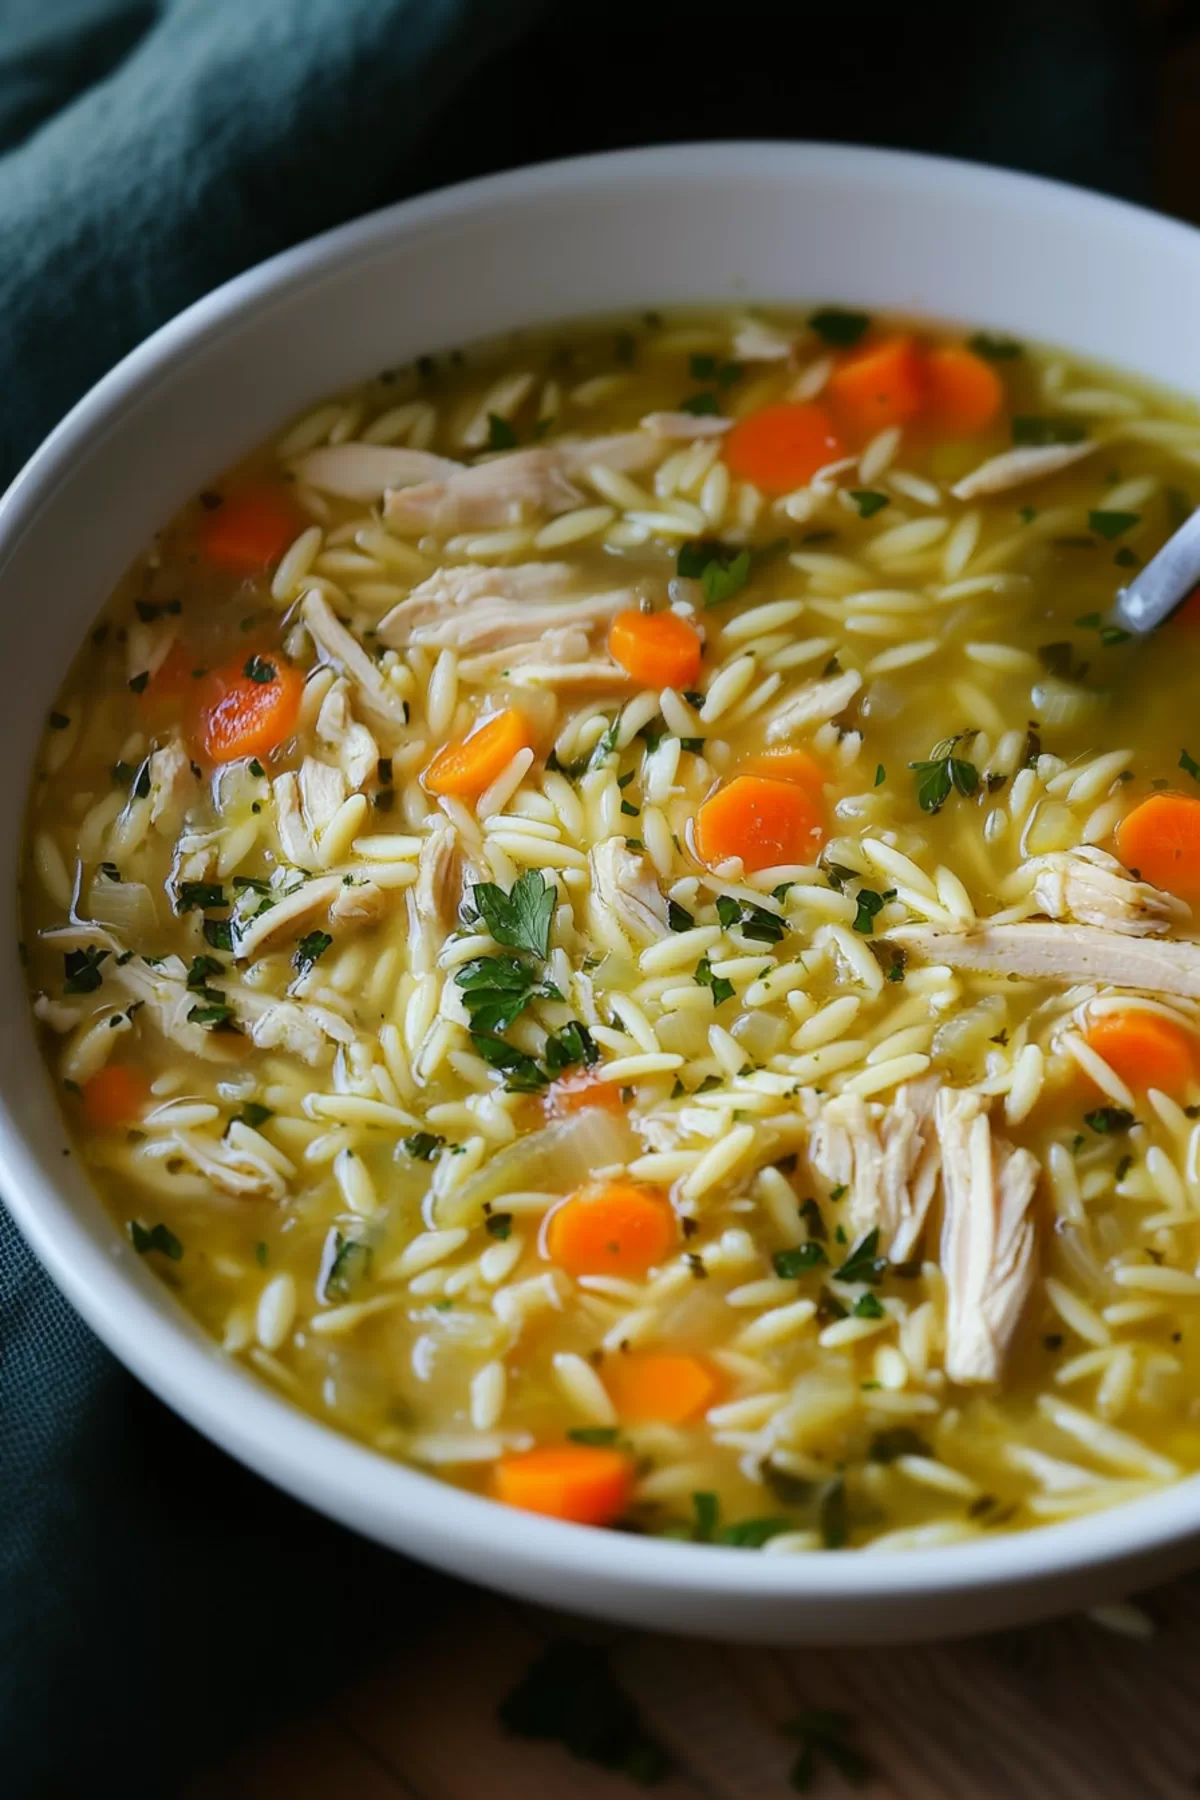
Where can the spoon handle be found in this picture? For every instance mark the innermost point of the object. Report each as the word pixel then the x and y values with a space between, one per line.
pixel 1166 580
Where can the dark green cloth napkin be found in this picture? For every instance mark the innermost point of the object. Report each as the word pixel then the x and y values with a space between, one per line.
pixel 156 1601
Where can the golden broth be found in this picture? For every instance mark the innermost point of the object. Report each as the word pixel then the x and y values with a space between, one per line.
pixel 321 1161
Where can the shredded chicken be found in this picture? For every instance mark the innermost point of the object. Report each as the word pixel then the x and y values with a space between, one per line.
pixel 1060 953
pixel 359 903
pixel 989 1239
pixel 231 1166
pixel 298 1030
pixel 356 750
pixel 887 1160
pixel 366 471
pixel 815 702
pixel 166 1001
pixel 439 877
pixel 502 490
pixel 1091 887
pixel 755 342
pixel 686 425
pixel 288 917
pixel 480 609
pixel 339 647
pixel 626 900
pixel 1016 467
pixel 172 785
pixel 294 841
pixel 322 790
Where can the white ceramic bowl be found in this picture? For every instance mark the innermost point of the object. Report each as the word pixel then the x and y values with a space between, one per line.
pixel 644 228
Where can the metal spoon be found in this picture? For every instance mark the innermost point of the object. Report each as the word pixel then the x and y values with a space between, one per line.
pixel 1164 583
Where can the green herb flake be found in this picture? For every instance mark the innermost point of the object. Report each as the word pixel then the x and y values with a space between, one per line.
pixel 423 1146
pixel 313 945
pixel 1107 1119
pixel 867 1307
pixel 570 1046
pixel 597 1435
pixel 1029 431
pixel 351 1260
pixel 995 349
pixel 259 670
pixel 790 1264
pixel 721 569
pixel 706 1509
pixel 522 1074
pixel 199 896
pixel 943 773
pixel 519 919
pixel 137 683
pixel 752 1534
pixel 870 905
pixel 218 933
pixel 1112 524
pixel 254 1114
pixel 838 326
pixel 499 1226
pixel 702 405
pixel 497 989
pixel 569 1696
pixel 145 1238
pixel 813 1218
pixel 501 435
pixel 720 988
pixel 880 775
pixel 868 502
pixel 260 1254
pixel 864 1262
pixel 82 969
pixel 678 917
pixel 256 769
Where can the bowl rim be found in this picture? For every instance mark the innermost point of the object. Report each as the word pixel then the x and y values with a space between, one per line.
pixel 392 1502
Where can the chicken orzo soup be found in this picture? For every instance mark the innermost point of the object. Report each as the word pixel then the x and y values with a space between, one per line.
pixel 611 915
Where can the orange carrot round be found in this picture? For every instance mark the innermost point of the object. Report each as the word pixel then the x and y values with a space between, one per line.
pixel 767 823
pixel 1145 1050
pixel 589 1484
pixel 248 708
pixel 1161 840
pixel 965 392
pixel 114 1096
pixel 660 650
pixel 786 765
pixel 879 386
pixel 781 447
pixel 617 1229
pixel 659 1388
pixel 471 764
pixel 579 1089
pixel 250 530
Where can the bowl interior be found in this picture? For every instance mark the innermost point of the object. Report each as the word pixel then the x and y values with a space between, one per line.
pixel 722 223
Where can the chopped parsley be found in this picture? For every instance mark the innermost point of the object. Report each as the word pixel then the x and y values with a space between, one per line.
pixel 1189 765
pixel 880 775
pixel 752 1534
pixel 826 1737
pixel 423 1146
pixel 678 917
pixel 351 1259
pixel 757 923
pixel 896 1441
pixel 1032 432
pixel 813 1218
pixel 521 918
pixel 253 1113
pixel 1112 524
pixel 892 958
pixel 501 435
pixel 215 1012
pixel 497 989
pixel 702 405
pixel 790 1264
pixel 569 1696
pixel 256 768
pixel 313 945
pixel 864 1262
pixel 218 933
pixel 259 670
pixel 198 896
pixel 145 1238
pixel 868 502
pixel 523 1075
pixel 499 1226
pixel 994 349
pixel 870 905
pixel 82 969
pixel 867 1307
pixel 570 1045
pixel 202 967
pixel 721 988
pixel 597 1435
pixel 943 773
pixel 721 569
pixel 1107 1119
pixel 137 683
pixel 1109 634
pixel 838 326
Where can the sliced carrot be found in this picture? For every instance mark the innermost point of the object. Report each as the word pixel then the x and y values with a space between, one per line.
pixel 240 714
pixel 1161 840
pixel 660 650
pixel 883 385
pixel 472 763
pixel 787 765
pixel 1145 1050
pixel 617 1229
pixel 653 1388
pixel 781 447
pixel 250 530
pixel 588 1484
pixel 767 823
pixel 576 1091
pixel 114 1096
pixel 965 393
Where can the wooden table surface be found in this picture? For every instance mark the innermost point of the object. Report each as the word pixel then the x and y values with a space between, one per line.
pixel 1067 1711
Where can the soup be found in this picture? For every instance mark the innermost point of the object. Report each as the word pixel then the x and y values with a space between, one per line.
pixel 612 916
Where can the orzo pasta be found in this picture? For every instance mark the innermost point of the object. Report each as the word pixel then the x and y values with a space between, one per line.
pixel 613 916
